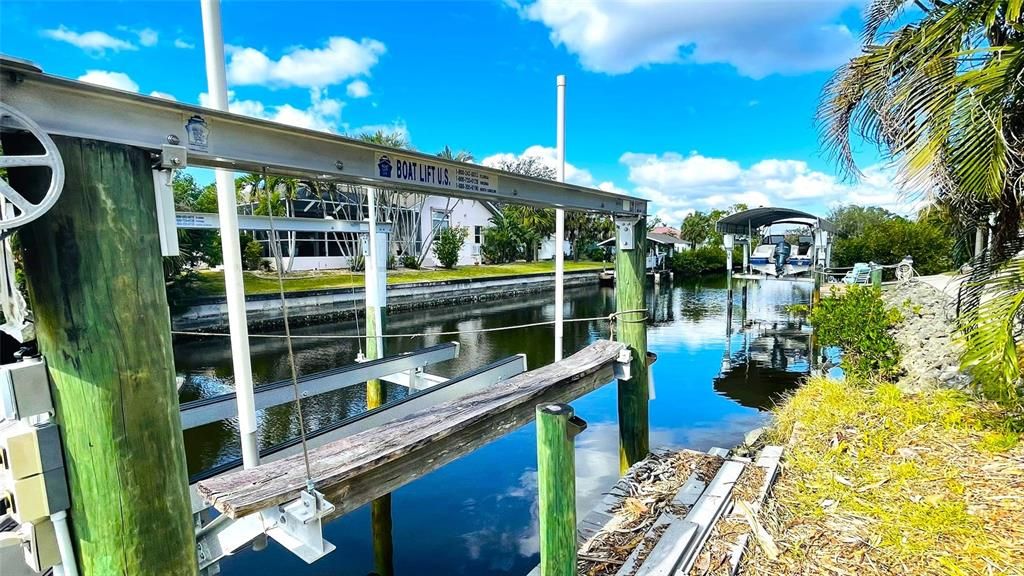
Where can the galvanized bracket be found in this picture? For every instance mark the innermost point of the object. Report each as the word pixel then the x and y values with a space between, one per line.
pixel 624 226
pixel 622 365
pixel 173 157
pixel 298 525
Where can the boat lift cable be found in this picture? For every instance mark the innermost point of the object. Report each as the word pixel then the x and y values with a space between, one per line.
pixel 612 318
pixel 288 336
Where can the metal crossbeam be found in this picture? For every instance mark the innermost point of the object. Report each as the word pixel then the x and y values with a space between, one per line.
pixel 209 221
pixel 207 410
pixel 221 139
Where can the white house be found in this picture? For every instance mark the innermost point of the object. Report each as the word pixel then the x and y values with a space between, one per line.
pixel 439 212
pixel 414 219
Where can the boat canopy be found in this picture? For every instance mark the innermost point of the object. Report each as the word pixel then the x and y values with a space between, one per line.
pixel 748 220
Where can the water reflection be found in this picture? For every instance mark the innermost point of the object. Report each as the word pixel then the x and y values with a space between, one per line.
pixel 477 515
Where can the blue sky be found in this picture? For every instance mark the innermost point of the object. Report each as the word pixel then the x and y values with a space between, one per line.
pixel 694 104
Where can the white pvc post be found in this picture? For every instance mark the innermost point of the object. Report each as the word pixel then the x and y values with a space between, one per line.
pixel 372 280
pixel 560 222
pixel 213 43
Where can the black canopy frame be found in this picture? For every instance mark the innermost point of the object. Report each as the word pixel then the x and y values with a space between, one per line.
pixel 744 222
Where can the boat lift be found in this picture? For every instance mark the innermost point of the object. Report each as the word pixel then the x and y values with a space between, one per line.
pixel 766 260
pixel 179 135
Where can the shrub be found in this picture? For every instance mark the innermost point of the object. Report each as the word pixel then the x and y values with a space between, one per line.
pixel 502 242
pixel 693 263
pixel 448 245
pixel 411 262
pixel 887 242
pixel 392 262
pixel 858 322
pixel 252 255
pixel 595 253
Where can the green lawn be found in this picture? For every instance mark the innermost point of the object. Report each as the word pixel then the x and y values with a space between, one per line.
pixel 212 283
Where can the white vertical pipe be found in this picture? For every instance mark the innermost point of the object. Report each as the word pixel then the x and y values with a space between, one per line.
pixel 560 222
pixel 372 281
pixel 68 564
pixel 213 43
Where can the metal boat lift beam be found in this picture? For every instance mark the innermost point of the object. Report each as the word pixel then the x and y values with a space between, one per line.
pixel 222 407
pixel 70 108
pixel 211 221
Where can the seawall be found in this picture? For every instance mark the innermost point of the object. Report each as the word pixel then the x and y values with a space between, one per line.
pixel 310 306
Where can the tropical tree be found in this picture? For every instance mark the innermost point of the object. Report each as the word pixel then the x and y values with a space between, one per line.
pixel 696 228
pixel 460 156
pixel 389 139
pixel 942 97
pixel 939 90
pixel 534 224
pixel 528 166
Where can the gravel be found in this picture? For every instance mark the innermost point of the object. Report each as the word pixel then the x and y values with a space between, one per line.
pixel 931 355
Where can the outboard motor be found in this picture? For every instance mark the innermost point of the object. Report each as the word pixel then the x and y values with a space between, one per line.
pixel 782 249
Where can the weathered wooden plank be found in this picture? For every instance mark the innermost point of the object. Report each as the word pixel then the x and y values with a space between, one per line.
pixel 358 468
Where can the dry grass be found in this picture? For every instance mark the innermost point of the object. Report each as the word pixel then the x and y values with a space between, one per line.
pixel 653 484
pixel 878 481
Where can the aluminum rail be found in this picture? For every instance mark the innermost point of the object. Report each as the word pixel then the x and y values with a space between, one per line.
pixel 463 385
pixel 218 139
pixel 211 221
pixel 224 536
pixel 222 407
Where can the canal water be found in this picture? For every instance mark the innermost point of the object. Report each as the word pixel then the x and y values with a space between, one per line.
pixel 715 377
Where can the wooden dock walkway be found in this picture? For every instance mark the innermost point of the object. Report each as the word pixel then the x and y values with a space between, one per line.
pixel 354 470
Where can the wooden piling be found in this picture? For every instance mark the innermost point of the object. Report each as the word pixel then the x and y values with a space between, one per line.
pixel 556 482
pixel 631 329
pixel 95 280
pixel 380 508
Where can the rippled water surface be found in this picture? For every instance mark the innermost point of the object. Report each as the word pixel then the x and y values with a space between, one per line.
pixel 712 382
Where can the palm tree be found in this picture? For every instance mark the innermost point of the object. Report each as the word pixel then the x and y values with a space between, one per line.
pixel 389 139
pixel 460 156
pixel 943 99
pixel 942 96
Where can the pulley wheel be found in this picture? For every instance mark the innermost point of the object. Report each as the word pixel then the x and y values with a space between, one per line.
pixel 25 210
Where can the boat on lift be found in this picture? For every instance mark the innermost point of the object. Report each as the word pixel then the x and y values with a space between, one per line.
pixel 780 255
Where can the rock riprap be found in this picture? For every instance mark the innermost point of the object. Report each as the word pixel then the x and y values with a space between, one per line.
pixel 931 354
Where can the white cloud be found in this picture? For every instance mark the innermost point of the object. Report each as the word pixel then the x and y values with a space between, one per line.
pixel 148 36
pixel 184 45
pixel 358 89
pixel 678 185
pixel 323 113
pixel 118 80
pixel 94 42
pixel 757 37
pixel 164 95
pixel 342 58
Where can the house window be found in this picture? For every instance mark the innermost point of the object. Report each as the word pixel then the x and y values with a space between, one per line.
pixel 439 219
pixel 478 234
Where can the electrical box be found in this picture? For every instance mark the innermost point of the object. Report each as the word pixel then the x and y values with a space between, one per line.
pixel 40 543
pixel 27 450
pixel 36 497
pixel 24 389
